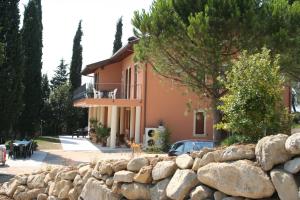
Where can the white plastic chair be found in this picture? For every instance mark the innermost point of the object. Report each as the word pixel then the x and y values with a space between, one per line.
pixel 113 94
pixel 97 94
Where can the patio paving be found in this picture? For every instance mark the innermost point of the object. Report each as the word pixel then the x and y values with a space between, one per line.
pixel 76 144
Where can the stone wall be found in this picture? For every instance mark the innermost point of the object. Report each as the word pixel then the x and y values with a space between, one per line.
pixel 269 170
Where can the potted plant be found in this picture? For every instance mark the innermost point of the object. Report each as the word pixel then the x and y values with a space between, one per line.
pixel 102 133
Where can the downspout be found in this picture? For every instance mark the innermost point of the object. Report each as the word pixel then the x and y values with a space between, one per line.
pixel 145 98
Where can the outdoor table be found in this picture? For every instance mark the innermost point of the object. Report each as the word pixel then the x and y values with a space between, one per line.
pixel 19 142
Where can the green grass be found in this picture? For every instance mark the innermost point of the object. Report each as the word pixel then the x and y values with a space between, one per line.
pixel 294 125
pixel 48 142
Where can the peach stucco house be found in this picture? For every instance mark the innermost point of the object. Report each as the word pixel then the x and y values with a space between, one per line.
pixel 130 98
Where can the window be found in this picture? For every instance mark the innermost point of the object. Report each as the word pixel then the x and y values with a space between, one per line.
pixel 199 123
pixel 178 147
pixel 189 147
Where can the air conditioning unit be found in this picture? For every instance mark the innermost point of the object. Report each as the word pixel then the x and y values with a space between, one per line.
pixel 152 137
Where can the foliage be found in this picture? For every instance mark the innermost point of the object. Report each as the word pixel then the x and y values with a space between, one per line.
pixel 61 75
pixel 1 53
pixel 194 41
pixel 296 118
pixel 239 139
pixel 32 48
pixel 118 36
pixel 154 150
pixel 102 131
pixel 76 63
pixel 254 87
pixel 165 138
pixel 11 72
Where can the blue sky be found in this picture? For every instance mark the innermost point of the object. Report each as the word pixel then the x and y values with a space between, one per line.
pixel 60 21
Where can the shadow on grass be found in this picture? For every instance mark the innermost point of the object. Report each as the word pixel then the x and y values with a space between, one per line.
pixel 53 139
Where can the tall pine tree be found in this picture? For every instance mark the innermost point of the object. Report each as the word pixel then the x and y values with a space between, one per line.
pixel 60 76
pixel 76 63
pixel 11 73
pixel 118 36
pixel 32 48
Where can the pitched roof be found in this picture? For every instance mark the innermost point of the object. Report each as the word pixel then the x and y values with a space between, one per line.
pixel 117 57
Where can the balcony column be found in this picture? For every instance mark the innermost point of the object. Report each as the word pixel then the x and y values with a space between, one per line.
pixel 89 118
pixel 109 116
pixel 137 124
pixel 121 120
pixel 113 131
pixel 98 114
pixel 131 129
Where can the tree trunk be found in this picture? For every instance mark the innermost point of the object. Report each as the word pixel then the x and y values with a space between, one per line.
pixel 217 117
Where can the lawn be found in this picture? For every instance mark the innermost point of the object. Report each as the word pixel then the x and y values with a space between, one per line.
pixel 48 142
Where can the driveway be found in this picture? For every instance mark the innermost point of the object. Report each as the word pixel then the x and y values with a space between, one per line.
pixel 76 144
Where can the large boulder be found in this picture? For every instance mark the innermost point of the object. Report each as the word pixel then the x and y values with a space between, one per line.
pixel 285 185
pixel 144 175
pixel 135 191
pixel 158 191
pixel 219 195
pixel 163 169
pixel 181 183
pixel 75 192
pixel 201 153
pixel 29 194
pixel 137 163
pixel 10 187
pixel 184 161
pixel 231 153
pixel 292 166
pixel 22 179
pixel 95 189
pixel 271 151
pixel 239 178
pixel 120 165
pixel 124 176
pixel 201 192
pixel 292 144
pixel 36 181
pixel 42 196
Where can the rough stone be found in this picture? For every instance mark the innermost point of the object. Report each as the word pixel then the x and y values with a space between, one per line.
pixel 96 174
pixel 158 191
pixel 52 198
pixel 292 166
pixel 201 192
pixel 124 176
pixel 201 153
pixel 136 164
pixel 87 175
pixel 144 175
pixel 135 191
pixel 292 144
pixel 109 181
pixel 116 187
pixel 70 175
pixel 270 151
pixel 42 196
pixel 83 170
pixel 28 194
pixel 93 188
pixel 219 195
pixel 106 168
pixel 58 187
pixel 77 180
pixel 75 192
pixel 285 184
pixel 53 172
pixel 36 181
pixel 120 165
pixel 239 178
pixel 181 183
pixel 163 169
pixel 11 188
pixel 231 153
pixel 20 189
pixel 22 179
pixel 233 198
pixel 184 161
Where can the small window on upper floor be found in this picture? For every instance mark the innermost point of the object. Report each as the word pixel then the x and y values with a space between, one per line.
pixel 199 123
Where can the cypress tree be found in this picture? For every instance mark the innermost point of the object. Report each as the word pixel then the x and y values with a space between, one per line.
pixel 76 63
pixel 61 76
pixel 11 73
pixel 118 36
pixel 32 47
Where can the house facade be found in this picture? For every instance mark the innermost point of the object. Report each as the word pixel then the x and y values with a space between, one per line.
pixel 131 98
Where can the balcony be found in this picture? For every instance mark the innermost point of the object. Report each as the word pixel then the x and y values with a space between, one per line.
pixel 90 95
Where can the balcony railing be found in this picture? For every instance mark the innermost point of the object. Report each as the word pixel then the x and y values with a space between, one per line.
pixel 108 91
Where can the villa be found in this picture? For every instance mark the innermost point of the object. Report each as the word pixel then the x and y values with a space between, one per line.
pixel 134 101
